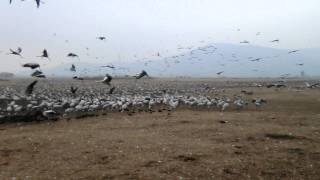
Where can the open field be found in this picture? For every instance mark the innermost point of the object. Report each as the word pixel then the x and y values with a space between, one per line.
pixel 279 141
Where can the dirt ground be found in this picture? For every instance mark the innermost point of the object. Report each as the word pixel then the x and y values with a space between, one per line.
pixel 280 141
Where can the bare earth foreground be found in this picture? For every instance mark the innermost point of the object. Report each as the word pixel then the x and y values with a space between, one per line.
pixel 281 141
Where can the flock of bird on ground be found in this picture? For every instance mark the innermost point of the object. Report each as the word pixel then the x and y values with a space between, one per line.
pixel 51 104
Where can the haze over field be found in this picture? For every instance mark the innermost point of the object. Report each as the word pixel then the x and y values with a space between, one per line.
pixel 150 35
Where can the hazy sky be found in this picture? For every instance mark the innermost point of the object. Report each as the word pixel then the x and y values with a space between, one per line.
pixel 137 29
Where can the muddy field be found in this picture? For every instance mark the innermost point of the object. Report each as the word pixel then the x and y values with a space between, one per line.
pixel 279 141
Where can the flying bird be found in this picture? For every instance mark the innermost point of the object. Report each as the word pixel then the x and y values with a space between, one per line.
pixel 293 51
pixel 44 54
pixel 300 64
pixel 142 74
pixel 257 59
pixel 112 90
pixel 109 66
pixel 38 3
pixel 36 73
pixel 17 52
pixel 72 55
pixel 73 68
pixel 31 65
pixel 101 38
pixel 312 85
pixel 219 73
pixel 276 40
pixel 106 80
pixel 30 88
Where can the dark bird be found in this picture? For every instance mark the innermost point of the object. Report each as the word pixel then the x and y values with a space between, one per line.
pixel 106 80
pixel 219 73
pixel 77 78
pixel 101 38
pixel 31 65
pixel 44 54
pixel 142 74
pixel 36 73
pixel 300 64
pixel 73 90
pixel 293 51
pixel 245 42
pixel 38 3
pixel 40 76
pixel 30 88
pixel 112 90
pixel 73 68
pixel 72 55
pixel 17 52
pixel 257 59
pixel 276 40
pixel 109 66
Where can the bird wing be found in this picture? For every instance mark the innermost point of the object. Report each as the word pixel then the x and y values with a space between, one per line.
pixel 30 87
pixel 19 50
pixel 38 3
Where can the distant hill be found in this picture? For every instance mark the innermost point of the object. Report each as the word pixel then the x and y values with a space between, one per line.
pixel 233 59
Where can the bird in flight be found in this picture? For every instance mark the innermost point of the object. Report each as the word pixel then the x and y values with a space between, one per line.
pixel 30 88
pixel 17 52
pixel 293 51
pixel 300 64
pixel 276 40
pixel 141 74
pixel 72 55
pixel 109 66
pixel 31 65
pixel 257 59
pixel 111 90
pixel 102 38
pixel 44 54
pixel 37 73
pixel 219 73
pixel 37 1
pixel 73 68
pixel 106 80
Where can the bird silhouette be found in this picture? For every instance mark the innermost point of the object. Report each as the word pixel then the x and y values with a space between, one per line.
pixel 30 87
pixel 101 38
pixel 142 74
pixel 109 66
pixel 106 80
pixel 111 90
pixel 45 54
pixel 293 51
pixel 17 52
pixel 72 55
pixel 219 73
pixel 276 40
pixel 31 65
pixel 73 68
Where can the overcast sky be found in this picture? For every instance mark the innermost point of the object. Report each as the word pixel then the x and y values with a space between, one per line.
pixel 141 28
